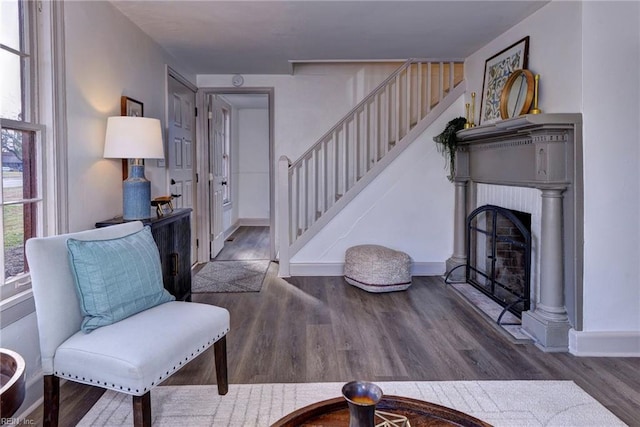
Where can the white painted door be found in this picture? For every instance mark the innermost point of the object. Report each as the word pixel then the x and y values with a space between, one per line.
pixel 217 136
pixel 181 151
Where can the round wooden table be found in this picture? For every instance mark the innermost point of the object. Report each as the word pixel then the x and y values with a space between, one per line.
pixel 335 412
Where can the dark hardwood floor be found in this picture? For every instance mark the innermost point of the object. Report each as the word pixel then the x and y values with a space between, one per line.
pixel 246 243
pixel 310 329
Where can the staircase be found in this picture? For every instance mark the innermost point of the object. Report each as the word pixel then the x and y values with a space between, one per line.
pixel 314 188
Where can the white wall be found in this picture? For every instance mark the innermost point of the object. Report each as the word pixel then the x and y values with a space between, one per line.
pixel 554 52
pixel 311 101
pixel 588 56
pixel 253 164
pixel 106 57
pixel 611 109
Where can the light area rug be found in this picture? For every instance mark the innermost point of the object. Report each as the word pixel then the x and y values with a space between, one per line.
pixel 501 403
pixel 230 276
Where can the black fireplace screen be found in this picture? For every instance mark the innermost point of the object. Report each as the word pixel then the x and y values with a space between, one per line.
pixel 499 256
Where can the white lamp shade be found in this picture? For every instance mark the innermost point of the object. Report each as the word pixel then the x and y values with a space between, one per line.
pixel 133 138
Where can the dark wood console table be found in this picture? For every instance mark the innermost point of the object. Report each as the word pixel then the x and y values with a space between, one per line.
pixel 335 412
pixel 172 234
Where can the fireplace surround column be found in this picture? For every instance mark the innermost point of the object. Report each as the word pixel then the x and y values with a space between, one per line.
pixel 459 256
pixel 548 322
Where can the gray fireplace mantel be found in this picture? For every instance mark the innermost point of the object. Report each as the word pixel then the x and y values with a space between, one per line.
pixel 534 150
pixel 542 151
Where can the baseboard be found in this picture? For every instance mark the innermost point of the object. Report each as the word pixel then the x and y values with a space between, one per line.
pixel 337 269
pixel 229 231
pixel 316 269
pixel 253 222
pixel 604 344
pixel 428 269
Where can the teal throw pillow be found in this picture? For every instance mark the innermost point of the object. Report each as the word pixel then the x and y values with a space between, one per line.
pixel 116 278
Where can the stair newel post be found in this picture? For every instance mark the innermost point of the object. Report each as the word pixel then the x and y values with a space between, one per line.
pixel 284 215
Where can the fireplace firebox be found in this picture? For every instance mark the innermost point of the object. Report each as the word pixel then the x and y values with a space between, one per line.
pixel 499 256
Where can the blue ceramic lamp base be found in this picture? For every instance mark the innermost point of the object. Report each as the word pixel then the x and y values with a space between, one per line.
pixel 136 194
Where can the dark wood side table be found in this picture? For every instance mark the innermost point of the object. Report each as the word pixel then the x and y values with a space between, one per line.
pixel 172 234
pixel 335 412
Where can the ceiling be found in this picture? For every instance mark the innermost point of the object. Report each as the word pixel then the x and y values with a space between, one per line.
pixel 262 37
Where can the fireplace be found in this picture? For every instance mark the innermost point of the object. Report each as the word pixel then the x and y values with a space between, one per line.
pixel 540 157
pixel 499 256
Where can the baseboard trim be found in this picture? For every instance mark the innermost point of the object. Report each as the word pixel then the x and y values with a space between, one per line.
pixel 253 222
pixel 316 269
pixel 428 269
pixel 337 269
pixel 604 344
pixel 229 231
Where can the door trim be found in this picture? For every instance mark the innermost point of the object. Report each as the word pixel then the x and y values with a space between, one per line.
pixel 201 129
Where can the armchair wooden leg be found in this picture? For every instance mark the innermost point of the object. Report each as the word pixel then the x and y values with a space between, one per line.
pixel 220 353
pixel 142 410
pixel 51 401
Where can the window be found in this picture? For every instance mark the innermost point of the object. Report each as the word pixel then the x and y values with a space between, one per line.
pixel 22 137
pixel 226 160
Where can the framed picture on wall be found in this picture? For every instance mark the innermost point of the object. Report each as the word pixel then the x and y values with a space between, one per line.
pixel 133 108
pixel 497 70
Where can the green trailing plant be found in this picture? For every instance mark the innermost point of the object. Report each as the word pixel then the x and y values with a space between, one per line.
pixel 447 143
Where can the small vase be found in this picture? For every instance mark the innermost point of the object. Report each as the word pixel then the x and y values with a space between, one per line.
pixel 362 397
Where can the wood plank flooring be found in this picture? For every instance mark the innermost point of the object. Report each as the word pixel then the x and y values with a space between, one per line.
pixel 309 329
pixel 246 243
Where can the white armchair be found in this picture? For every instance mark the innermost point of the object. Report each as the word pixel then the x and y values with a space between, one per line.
pixel 131 355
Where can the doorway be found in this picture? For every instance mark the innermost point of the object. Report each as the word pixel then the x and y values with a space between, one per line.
pixel 239 149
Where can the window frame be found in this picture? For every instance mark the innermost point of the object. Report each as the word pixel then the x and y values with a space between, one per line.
pixel 44 114
pixel 226 158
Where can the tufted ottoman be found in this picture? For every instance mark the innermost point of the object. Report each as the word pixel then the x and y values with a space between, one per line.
pixel 376 268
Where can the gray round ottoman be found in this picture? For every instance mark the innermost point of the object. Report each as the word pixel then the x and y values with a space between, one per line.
pixel 376 268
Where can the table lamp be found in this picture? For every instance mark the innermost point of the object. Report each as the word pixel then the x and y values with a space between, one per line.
pixel 134 138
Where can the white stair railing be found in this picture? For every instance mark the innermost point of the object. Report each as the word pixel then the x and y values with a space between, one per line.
pixel 328 175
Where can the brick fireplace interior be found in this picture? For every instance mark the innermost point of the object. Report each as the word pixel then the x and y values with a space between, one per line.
pixel 499 256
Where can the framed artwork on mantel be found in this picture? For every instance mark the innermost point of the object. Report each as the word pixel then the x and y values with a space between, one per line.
pixel 497 70
pixel 129 107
